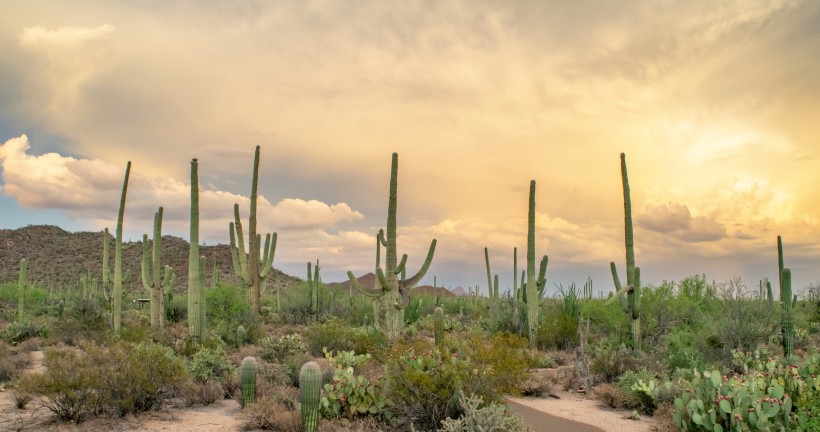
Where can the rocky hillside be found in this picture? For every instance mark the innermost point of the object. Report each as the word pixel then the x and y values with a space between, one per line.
pixel 58 258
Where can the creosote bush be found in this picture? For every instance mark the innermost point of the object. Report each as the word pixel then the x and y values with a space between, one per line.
pixel 118 380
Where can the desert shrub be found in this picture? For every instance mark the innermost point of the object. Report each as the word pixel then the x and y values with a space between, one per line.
pixel 275 374
pixel 682 352
pixel 271 415
pixel 349 395
pixel 228 308
pixel 13 360
pixel 120 379
pixel 489 417
pixel 535 387
pixel 743 322
pixel 337 335
pixel 84 319
pixel 424 385
pixel 276 349
pixel 19 331
pixel 211 364
pixel 609 361
pixel 610 395
pixel 202 393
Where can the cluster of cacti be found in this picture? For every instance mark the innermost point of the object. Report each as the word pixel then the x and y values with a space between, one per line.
pixel 116 291
pixel 314 286
pixel 253 267
pixel 247 379
pixel 588 288
pixel 438 325
pixel 310 386
pixel 196 266
pixel 155 286
pixel 533 289
pixel 632 289
pixel 393 292
pixel 21 290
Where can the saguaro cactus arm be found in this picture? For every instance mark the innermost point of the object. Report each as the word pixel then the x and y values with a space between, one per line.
pixel 116 294
pixel 413 280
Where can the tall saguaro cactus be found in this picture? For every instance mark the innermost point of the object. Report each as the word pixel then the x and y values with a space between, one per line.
pixel 116 294
pixel 196 266
pixel 254 267
pixel 534 287
pixel 632 288
pixel 155 286
pixel 391 290
pixel 788 317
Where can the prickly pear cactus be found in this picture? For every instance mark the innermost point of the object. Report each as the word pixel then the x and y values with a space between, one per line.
pixel 247 377
pixel 310 385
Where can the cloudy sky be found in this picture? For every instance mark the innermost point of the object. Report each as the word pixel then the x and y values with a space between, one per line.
pixel 714 103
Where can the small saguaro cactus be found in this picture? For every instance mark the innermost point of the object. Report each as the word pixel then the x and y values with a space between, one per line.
pixel 313 290
pixel 310 385
pixel 392 291
pixel 151 274
pixel 253 267
pixel 21 290
pixel 247 378
pixel 633 290
pixel 240 336
pixel 438 325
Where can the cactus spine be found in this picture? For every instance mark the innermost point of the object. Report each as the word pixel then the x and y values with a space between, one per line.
pixel 438 325
pixel 254 267
pixel 391 290
pixel 247 378
pixel 196 266
pixel 310 382
pixel 116 294
pixel 151 274
pixel 21 290
pixel 632 288
pixel 534 288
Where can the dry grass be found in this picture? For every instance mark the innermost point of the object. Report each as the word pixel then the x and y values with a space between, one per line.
pixel 271 415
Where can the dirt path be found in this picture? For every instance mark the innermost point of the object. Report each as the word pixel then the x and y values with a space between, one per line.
pixel 539 421
pixel 578 409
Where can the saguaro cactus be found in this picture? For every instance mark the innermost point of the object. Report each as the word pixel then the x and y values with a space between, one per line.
pixel 254 267
pixel 788 316
pixel 438 325
pixel 313 290
pixel 310 382
pixel 21 290
pixel 151 274
pixel 247 378
pixel 240 336
pixel 116 294
pixel 534 288
pixel 377 302
pixel 490 292
pixel 196 266
pixel 391 290
pixel 632 288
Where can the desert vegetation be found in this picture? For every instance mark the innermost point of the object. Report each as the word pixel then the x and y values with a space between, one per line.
pixel 379 353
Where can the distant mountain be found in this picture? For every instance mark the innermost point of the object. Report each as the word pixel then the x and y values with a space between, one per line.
pixel 369 279
pixel 459 292
pixel 58 258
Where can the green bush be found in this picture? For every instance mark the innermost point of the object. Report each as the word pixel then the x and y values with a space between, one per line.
pixel 19 331
pixel 211 364
pixel 424 384
pixel 228 308
pixel 337 335
pixel 351 395
pixel 276 349
pixel 490 417
pixel 118 380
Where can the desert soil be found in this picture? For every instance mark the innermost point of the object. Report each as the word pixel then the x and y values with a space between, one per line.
pixel 570 413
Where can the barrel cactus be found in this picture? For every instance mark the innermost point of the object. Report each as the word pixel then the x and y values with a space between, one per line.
pixel 240 336
pixel 247 377
pixel 438 325
pixel 310 385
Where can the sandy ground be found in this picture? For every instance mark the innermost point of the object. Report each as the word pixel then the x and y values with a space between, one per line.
pixel 223 416
pixel 573 406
